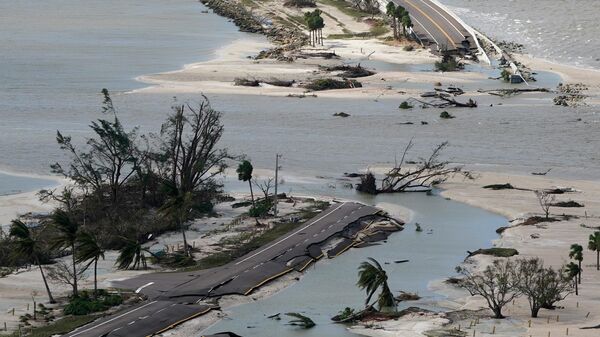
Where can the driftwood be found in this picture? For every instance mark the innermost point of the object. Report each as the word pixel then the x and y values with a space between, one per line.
pixel 447 102
pixel 513 91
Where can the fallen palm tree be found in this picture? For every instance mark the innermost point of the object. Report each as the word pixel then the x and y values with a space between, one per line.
pixel 331 83
pixel 349 71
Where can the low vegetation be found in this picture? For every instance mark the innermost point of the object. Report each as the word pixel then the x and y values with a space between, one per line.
pixel 331 83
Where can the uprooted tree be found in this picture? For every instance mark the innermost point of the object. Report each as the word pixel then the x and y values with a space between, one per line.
pixel 422 174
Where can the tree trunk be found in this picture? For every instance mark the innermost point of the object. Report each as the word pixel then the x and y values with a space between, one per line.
pixel 579 271
pixel 75 292
pixel 534 312
pixel 96 278
pixel 251 192
pixel 498 313
pixel 185 245
pixel 598 259
pixel 576 288
pixel 395 28
pixel 50 298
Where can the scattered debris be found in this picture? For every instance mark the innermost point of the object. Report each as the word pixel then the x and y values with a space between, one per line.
pixel 239 81
pixel 300 320
pixel 512 91
pixel 541 173
pixel 341 114
pixel 570 94
pixel 350 71
pixel 405 105
pixel 330 83
pixel 566 204
pixel 497 187
pixel 406 296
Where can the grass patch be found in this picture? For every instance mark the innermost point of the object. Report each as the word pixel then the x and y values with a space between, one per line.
pixel 497 252
pixel 59 327
pixel 345 8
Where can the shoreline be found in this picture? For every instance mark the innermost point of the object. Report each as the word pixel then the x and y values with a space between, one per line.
pixel 549 241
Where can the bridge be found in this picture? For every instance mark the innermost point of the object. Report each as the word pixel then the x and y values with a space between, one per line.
pixel 435 26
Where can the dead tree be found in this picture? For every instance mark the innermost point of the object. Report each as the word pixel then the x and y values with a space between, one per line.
pixel 424 173
pixel 546 200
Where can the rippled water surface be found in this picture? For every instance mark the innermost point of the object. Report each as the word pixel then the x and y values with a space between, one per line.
pixel 565 31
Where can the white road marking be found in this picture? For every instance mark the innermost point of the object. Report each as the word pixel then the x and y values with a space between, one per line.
pixel 291 235
pixel 131 322
pixel 110 320
pixel 137 291
pixel 445 18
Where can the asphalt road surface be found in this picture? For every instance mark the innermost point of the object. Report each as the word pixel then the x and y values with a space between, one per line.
pixel 434 25
pixel 174 298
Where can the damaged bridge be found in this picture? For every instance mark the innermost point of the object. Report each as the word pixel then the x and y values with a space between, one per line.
pixel 174 298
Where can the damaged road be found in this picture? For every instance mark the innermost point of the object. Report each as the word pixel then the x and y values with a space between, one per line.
pixel 174 298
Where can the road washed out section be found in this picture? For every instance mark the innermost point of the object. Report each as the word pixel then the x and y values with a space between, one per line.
pixel 174 298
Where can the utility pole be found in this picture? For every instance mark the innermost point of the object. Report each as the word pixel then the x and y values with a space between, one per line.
pixel 277 156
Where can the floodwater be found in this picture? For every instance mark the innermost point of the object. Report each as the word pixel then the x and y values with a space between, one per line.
pixel 449 230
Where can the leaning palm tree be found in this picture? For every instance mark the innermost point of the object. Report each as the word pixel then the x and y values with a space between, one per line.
pixel 576 254
pixel 244 172
pixel 132 255
pixel 594 245
pixel 66 238
pixel 28 246
pixel 89 250
pixel 372 277
pixel 572 270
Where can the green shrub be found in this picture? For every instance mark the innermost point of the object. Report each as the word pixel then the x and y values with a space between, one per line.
pixel 408 48
pixel 446 115
pixel 405 105
pixel 505 74
pixel 260 209
pixel 85 304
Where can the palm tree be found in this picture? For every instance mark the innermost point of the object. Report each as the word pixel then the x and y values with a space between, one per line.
pixel 390 10
pixel 572 270
pixel 399 14
pixel 406 23
pixel 28 246
pixel 67 230
pixel 244 172
pixel 88 249
pixel 576 253
pixel 178 208
pixel 594 245
pixel 372 277
pixel 132 256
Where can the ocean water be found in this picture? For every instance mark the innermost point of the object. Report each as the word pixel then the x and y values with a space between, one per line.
pixel 56 55
pixel 564 31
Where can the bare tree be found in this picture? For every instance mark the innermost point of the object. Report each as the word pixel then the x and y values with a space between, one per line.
pixel 543 286
pixel 425 173
pixel 497 284
pixel 265 186
pixel 64 273
pixel 546 200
